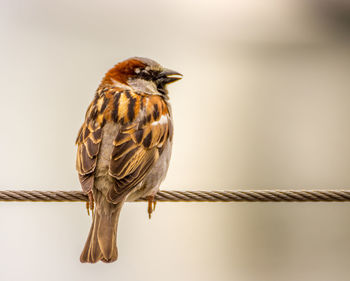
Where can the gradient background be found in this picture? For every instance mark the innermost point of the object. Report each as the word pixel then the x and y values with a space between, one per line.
pixel 264 103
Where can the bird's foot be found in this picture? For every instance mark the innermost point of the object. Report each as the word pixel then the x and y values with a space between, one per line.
pixel 151 205
pixel 90 205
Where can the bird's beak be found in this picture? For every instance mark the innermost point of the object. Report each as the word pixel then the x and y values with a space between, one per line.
pixel 168 76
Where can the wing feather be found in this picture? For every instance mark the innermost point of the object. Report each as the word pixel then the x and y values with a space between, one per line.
pixel 88 141
pixel 138 146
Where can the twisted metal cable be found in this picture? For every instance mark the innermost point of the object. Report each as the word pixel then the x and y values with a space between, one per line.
pixel 192 196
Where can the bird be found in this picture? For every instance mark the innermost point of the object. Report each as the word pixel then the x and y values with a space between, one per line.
pixel 124 147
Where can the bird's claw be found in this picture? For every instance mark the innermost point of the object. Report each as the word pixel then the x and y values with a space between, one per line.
pixel 151 205
pixel 90 204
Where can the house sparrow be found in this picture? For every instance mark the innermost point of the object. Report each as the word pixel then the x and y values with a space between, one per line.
pixel 124 147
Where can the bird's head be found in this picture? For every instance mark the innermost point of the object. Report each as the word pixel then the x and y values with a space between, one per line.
pixel 142 74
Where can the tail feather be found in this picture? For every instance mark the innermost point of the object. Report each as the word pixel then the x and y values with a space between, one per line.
pixel 101 243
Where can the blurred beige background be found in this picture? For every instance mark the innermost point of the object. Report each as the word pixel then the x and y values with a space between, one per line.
pixel 264 103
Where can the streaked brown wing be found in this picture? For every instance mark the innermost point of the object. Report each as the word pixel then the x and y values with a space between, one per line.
pixel 88 141
pixel 138 146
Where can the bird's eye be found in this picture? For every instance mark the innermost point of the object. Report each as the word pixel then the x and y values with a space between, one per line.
pixel 145 74
pixel 137 70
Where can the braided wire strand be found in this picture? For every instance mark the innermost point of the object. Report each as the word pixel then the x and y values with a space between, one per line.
pixel 191 196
